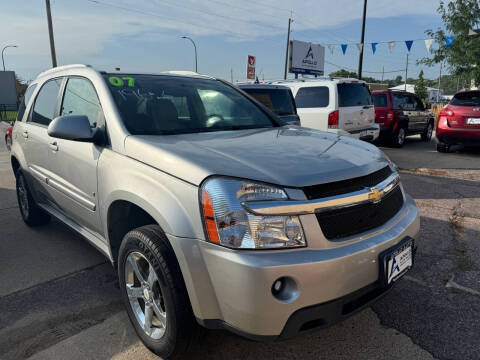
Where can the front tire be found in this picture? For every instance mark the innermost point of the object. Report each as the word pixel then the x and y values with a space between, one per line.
pixel 31 213
pixel 398 139
pixel 443 148
pixel 427 134
pixel 154 293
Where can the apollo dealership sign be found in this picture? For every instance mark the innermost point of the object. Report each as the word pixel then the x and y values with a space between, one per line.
pixel 306 58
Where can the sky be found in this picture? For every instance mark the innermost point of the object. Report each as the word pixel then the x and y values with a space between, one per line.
pixel 145 35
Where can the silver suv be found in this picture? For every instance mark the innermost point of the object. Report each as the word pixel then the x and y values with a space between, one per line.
pixel 212 213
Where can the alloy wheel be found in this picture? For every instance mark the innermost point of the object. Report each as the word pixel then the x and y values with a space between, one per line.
pixel 145 295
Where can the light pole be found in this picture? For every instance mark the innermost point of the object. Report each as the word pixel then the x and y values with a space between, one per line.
pixel 195 47
pixel 3 61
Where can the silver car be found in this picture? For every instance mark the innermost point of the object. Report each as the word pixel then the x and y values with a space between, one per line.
pixel 213 213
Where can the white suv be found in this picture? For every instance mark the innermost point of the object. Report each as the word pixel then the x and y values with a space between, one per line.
pixel 343 106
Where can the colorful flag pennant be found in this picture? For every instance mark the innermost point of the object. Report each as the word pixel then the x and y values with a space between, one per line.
pixel 391 45
pixel 344 48
pixel 331 47
pixel 448 41
pixel 428 44
pixel 409 44
pixel 360 47
pixel 374 47
pixel 472 32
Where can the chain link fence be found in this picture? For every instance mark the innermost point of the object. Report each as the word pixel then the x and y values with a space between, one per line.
pixel 8 113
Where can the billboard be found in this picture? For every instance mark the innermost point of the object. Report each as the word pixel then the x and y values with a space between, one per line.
pixel 250 67
pixel 306 58
pixel 8 94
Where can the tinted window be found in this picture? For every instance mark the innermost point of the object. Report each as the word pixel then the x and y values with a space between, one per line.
pixel 380 100
pixel 417 103
pixel 25 100
pixel 163 105
pixel 312 97
pixel 353 94
pixel 399 101
pixel 471 98
pixel 409 103
pixel 46 102
pixel 278 100
pixel 80 98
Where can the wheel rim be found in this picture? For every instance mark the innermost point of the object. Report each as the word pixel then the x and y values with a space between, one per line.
pixel 429 131
pixel 401 136
pixel 23 196
pixel 145 295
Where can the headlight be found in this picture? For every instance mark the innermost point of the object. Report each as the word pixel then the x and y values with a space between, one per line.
pixel 227 223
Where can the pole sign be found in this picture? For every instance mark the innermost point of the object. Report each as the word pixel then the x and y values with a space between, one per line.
pixel 251 67
pixel 8 93
pixel 306 58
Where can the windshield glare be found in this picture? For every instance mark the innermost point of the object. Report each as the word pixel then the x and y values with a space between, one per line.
pixel 163 105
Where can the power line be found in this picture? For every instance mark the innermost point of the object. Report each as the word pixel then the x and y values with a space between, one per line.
pixel 369 72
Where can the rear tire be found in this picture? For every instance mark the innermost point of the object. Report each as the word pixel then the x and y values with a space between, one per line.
pixel 427 134
pixel 31 213
pixel 155 286
pixel 443 148
pixel 398 139
pixel 8 143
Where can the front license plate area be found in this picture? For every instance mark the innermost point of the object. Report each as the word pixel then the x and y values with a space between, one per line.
pixel 396 261
pixel 473 121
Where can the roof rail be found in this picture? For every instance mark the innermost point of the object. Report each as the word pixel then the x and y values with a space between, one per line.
pixel 61 68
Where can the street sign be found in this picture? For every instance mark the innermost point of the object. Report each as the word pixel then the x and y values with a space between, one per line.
pixel 8 94
pixel 306 58
pixel 251 67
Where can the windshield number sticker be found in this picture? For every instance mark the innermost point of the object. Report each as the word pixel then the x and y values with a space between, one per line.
pixel 118 82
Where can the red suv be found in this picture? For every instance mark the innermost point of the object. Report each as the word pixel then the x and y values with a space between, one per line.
pixel 400 114
pixel 459 121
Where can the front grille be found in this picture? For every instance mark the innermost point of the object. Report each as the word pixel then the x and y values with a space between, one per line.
pixel 346 186
pixel 352 220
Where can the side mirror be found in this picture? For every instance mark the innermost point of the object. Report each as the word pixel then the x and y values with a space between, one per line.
pixel 72 127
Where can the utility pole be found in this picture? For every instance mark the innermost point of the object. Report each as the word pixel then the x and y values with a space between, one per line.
pixel 439 83
pixel 50 33
pixel 406 73
pixel 383 72
pixel 360 60
pixel 286 50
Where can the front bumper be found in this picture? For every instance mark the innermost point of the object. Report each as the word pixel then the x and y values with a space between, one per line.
pixel 233 289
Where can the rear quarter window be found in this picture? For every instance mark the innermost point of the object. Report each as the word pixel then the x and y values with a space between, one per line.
pixel 312 97
pixel 471 98
pixel 353 94
pixel 380 100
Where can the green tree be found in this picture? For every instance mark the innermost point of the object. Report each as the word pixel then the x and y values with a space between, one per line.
pixel 463 55
pixel 343 73
pixel 420 88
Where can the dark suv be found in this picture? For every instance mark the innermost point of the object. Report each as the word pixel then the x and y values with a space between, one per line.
pixel 400 114
pixel 278 99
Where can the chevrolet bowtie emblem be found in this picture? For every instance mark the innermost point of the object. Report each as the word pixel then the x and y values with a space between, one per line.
pixel 375 195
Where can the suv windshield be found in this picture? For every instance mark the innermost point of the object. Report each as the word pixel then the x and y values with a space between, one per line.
pixel 470 98
pixel 278 100
pixel 353 94
pixel 164 105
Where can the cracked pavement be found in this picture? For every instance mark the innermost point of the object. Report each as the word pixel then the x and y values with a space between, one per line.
pixel 59 297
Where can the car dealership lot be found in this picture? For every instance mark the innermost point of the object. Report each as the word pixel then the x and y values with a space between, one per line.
pixel 60 299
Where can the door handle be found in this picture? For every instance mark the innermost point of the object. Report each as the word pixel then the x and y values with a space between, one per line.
pixel 25 134
pixel 53 146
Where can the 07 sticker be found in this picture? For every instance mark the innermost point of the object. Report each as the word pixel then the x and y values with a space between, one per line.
pixel 119 82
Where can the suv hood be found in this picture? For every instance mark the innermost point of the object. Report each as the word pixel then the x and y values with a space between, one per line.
pixel 288 156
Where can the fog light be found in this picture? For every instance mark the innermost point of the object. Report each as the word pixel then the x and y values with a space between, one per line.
pixel 285 289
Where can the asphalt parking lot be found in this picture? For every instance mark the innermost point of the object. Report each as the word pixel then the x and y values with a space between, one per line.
pixel 59 298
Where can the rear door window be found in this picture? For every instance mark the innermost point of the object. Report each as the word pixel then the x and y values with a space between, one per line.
pixel 470 98
pixel 353 94
pixel 26 99
pixel 312 97
pixel 280 101
pixel 45 107
pixel 399 101
pixel 380 100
